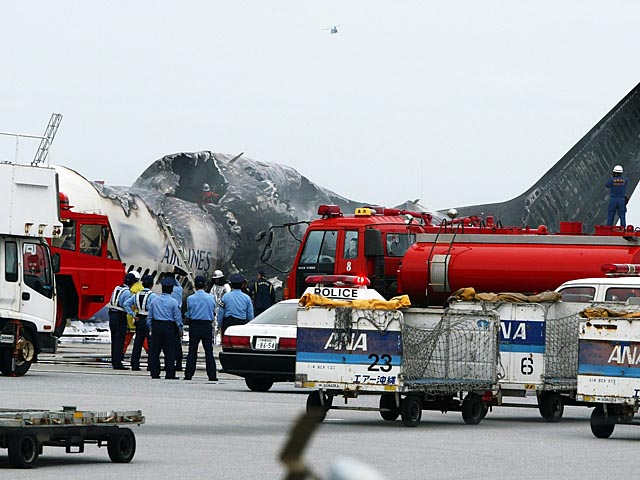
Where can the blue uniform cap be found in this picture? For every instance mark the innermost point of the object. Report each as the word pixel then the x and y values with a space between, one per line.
pixel 200 281
pixel 168 282
pixel 236 278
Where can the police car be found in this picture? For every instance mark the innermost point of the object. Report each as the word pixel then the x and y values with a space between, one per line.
pixel 263 351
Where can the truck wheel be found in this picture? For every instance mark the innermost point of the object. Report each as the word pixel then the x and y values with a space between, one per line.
pixel 258 384
pixel 601 426
pixel 411 410
pixel 17 367
pixel 23 450
pixel 315 408
pixel 121 445
pixel 389 411
pixel 473 409
pixel 551 406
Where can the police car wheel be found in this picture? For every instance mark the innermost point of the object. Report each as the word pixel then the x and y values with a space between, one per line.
pixel 601 426
pixel 257 384
pixel 389 411
pixel 411 410
pixel 551 406
pixel 473 409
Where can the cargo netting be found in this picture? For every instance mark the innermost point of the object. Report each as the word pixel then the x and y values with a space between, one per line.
pixel 459 353
pixel 347 320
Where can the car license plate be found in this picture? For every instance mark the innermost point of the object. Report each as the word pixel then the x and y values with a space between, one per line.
pixel 266 343
pixel 6 338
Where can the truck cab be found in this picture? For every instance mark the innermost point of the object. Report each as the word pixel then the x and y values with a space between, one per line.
pixel 370 243
pixel 90 266
pixel 28 215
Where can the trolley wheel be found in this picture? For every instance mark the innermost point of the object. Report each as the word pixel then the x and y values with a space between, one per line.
pixel 389 411
pixel 551 406
pixel 121 445
pixel 315 406
pixel 473 409
pixel 411 410
pixel 601 426
pixel 23 449
pixel 258 384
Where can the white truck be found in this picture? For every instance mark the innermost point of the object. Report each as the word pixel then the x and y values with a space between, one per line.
pixel 28 214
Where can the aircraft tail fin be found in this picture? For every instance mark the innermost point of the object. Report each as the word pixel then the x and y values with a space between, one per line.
pixel 574 188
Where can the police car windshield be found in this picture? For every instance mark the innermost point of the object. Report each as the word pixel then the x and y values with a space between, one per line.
pixel 278 314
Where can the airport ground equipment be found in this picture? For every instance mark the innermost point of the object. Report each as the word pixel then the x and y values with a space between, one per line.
pixel 25 432
pixel 406 252
pixel 608 367
pixel 28 215
pixel 468 357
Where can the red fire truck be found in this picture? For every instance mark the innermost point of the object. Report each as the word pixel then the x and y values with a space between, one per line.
pixel 90 266
pixel 405 252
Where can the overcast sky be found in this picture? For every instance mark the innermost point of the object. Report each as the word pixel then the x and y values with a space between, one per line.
pixel 456 102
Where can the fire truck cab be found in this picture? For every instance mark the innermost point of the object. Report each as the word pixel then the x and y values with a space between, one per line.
pixel 370 243
pixel 90 266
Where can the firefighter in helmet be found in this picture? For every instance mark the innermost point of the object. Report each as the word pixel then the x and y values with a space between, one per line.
pixel 618 199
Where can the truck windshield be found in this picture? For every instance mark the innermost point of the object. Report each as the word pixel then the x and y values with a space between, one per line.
pixel 67 240
pixel 397 243
pixel 320 247
pixel 36 269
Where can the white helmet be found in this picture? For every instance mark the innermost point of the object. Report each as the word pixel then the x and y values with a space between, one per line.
pixel 136 274
pixel 217 274
pixel 205 187
pixel 618 169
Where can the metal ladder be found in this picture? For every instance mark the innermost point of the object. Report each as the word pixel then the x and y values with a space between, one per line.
pixel 179 251
pixel 47 139
pixel 443 260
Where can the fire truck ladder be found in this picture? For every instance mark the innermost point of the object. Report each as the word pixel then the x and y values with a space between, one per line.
pixel 438 265
pixel 47 139
pixel 177 248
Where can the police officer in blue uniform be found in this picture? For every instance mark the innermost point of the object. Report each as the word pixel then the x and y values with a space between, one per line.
pixel 141 302
pixel 177 294
pixel 118 320
pixel 617 186
pixel 165 325
pixel 236 307
pixel 200 311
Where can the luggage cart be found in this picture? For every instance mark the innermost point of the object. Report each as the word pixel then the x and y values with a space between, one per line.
pixel 609 367
pixel 25 432
pixel 433 362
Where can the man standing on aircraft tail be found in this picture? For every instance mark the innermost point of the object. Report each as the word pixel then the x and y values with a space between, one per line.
pixel 165 325
pixel 236 307
pixel 138 306
pixel 618 199
pixel 219 287
pixel 131 321
pixel 177 295
pixel 200 307
pixel 118 320
pixel 263 294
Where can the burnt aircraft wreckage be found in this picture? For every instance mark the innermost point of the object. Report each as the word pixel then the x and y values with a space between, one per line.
pixel 163 211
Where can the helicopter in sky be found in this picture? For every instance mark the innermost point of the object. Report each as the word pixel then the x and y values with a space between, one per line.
pixel 332 29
